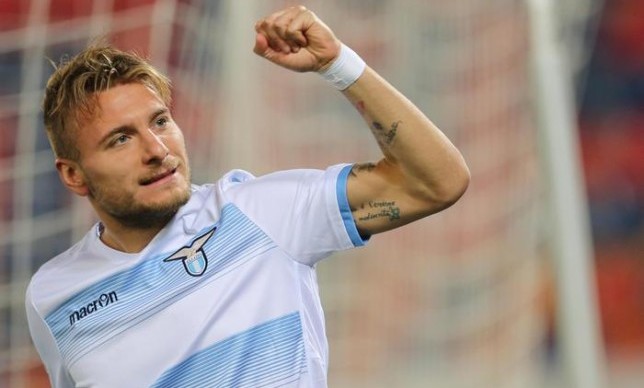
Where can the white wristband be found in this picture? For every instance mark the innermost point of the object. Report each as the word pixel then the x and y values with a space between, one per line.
pixel 345 69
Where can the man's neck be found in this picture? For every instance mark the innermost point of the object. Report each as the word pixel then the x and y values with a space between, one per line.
pixel 129 240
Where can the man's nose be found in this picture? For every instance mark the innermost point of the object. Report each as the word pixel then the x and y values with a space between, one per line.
pixel 154 148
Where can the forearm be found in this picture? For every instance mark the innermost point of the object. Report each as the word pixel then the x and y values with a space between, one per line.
pixel 418 155
pixel 421 171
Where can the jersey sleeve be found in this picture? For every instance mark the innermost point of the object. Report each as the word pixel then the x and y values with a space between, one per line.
pixel 306 212
pixel 46 346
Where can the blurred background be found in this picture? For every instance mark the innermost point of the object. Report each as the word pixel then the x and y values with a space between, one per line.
pixel 467 298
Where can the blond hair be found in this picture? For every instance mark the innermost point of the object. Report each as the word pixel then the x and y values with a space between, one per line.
pixel 71 92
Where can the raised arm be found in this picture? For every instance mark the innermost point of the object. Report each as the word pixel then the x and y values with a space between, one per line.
pixel 421 171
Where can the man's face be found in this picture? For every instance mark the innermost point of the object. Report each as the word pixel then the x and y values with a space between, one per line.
pixel 133 159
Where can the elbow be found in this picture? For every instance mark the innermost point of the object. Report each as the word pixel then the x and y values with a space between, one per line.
pixel 455 187
pixel 461 185
pixel 450 189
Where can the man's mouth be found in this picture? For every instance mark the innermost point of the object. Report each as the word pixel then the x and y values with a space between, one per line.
pixel 157 177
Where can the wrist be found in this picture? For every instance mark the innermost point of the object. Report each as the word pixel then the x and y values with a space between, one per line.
pixel 345 69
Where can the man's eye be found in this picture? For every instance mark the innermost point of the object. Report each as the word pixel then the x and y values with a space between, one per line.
pixel 161 121
pixel 121 139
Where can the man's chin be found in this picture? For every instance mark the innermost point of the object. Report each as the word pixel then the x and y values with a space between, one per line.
pixel 152 215
pixel 169 197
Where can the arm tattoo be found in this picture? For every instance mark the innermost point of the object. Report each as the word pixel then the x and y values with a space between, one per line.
pixel 389 136
pixel 385 136
pixel 361 167
pixel 381 209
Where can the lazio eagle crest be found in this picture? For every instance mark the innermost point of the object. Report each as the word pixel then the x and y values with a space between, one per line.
pixel 193 256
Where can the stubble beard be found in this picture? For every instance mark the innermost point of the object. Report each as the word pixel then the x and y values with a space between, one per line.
pixel 132 214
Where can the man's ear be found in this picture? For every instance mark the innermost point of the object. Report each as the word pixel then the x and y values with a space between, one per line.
pixel 72 176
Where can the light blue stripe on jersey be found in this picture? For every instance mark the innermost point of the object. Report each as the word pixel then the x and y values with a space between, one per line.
pixel 345 209
pixel 152 285
pixel 271 354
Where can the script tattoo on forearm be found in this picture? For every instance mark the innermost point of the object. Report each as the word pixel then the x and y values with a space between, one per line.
pixel 385 136
pixel 381 209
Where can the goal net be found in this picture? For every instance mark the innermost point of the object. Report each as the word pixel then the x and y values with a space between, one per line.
pixel 455 300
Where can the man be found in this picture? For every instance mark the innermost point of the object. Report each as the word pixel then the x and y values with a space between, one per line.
pixel 182 285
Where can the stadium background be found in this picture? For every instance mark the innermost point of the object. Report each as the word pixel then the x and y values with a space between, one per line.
pixel 463 299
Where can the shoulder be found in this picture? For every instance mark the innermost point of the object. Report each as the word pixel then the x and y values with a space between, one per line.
pixel 282 189
pixel 61 262
pixel 239 180
pixel 234 180
pixel 56 275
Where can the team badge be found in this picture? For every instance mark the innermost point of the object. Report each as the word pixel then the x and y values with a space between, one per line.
pixel 193 256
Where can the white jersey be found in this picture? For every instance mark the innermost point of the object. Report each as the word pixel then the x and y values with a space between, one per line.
pixel 224 296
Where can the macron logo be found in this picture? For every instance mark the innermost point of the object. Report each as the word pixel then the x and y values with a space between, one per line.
pixel 101 302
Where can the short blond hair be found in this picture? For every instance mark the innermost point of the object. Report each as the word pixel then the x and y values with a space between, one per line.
pixel 71 92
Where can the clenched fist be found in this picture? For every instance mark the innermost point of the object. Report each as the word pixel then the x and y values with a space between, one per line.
pixel 296 39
